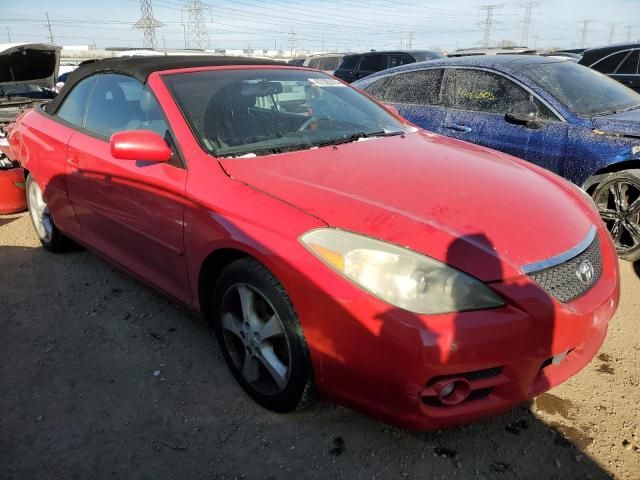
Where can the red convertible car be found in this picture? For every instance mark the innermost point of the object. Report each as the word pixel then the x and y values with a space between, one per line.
pixel 417 278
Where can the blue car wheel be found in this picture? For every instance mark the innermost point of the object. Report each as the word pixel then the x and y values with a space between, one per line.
pixel 618 200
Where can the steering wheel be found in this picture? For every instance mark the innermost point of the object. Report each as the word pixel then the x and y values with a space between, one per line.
pixel 310 121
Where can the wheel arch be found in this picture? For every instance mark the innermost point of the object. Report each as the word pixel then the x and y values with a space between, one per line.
pixel 210 271
pixel 590 184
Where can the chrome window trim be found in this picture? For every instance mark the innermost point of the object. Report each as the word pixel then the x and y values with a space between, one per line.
pixel 563 257
pixel 631 49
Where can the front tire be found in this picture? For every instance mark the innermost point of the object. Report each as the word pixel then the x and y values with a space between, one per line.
pixel 260 336
pixel 617 197
pixel 50 237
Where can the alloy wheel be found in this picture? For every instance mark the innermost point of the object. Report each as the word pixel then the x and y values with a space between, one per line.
pixel 39 212
pixel 619 204
pixel 255 338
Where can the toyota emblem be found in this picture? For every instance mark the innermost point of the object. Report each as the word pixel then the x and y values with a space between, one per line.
pixel 585 272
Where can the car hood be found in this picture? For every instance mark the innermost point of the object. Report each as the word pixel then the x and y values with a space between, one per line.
pixel 476 209
pixel 625 123
pixel 34 63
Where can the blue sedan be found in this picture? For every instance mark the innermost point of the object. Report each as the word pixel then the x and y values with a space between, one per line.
pixel 562 116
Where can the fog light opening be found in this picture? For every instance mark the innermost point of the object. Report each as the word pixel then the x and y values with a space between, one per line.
pixel 452 391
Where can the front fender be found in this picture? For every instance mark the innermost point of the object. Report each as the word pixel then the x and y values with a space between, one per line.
pixel 591 151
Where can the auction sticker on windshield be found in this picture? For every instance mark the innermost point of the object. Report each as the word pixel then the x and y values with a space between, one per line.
pixel 326 82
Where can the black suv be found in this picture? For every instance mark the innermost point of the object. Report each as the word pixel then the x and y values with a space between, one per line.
pixel 620 62
pixel 359 65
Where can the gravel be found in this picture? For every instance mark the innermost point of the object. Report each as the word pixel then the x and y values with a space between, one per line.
pixel 102 377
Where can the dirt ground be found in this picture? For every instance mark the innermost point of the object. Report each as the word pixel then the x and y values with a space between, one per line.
pixel 102 377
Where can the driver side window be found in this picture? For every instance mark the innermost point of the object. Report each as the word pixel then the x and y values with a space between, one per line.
pixel 482 91
pixel 118 103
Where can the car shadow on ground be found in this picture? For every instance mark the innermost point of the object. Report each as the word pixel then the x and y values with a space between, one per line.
pixel 102 377
pixel 7 219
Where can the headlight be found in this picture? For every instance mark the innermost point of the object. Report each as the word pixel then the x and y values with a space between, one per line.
pixel 400 276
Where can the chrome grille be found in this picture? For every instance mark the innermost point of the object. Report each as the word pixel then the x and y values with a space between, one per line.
pixel 562 280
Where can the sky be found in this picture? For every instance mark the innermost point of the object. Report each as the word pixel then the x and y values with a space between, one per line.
pixel 324 25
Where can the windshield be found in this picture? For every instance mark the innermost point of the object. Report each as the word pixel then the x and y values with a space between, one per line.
pixel 261 111
pixel 583 90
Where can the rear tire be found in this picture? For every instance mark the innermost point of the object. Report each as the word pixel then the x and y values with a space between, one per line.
pixel 260 336
pixel 49 235
pixel 617 197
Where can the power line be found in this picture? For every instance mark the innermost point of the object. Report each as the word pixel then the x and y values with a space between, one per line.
pixel 488 23
pixel 49 27
pixel 197 35
pixel 147 24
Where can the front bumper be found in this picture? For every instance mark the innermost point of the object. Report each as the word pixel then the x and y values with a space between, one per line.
pixel 388 362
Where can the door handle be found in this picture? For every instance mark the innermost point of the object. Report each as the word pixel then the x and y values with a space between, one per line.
pixel 73 161
pixel 458 128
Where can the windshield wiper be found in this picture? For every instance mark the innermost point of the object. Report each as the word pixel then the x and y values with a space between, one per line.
pixel 359 135
pixel 614 112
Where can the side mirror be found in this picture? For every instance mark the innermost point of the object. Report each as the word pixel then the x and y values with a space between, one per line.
pixel 524 113
pixel 140 145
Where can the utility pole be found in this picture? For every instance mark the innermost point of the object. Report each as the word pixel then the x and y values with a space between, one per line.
pixel 612 32
pixel 410 41
pixel 526 24
pixel 585 30
pixel 147 24
pixel 292 41
pixel 8 34
pixel 197 35
pixel 323 42
pixel 629 32
pixel 49 27
pixel 488 23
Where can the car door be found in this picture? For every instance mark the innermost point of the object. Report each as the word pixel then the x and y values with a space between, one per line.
pixel 130 211
pixel 477 101
pixel 416 96
pixel 628 71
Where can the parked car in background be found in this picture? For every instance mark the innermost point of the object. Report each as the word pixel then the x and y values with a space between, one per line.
pixel 555 113
pixel 574 57
pixel 27 76
pixel 469 52
pixel 621 62
pixel 327 62
pixel 360 65
pixel 296 62
pixel 339 246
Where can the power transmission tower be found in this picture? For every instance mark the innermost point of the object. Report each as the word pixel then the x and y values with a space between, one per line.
pixel 147 24
pixel 410 41
pixel 612 32
pixel 526 26
pixel 49 27
pixel 585 30
pixel 488 23
pixel 8 34
pixel 629 32
pixel 197 35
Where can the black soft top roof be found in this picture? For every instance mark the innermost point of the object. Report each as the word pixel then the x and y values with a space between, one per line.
pixel 141 67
